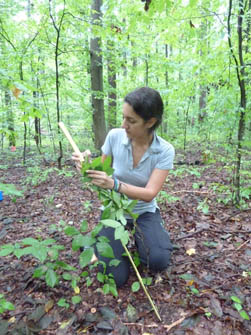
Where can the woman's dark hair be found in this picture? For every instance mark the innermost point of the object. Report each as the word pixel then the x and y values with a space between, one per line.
pixel 147 103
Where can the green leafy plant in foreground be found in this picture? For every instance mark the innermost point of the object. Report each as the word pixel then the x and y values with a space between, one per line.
pixel 116 205
pixel 46 253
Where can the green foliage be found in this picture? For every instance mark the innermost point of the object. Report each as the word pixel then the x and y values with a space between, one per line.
pixel 5 305
pixel 46 252
pixel 184 170
pixel 164 197
pixel 203 206
pixel 62 303
pixel 10 189
pixel 36 175
pixel 96 164
pixel 237 304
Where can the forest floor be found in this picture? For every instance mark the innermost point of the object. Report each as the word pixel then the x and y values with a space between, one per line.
pixel 210 263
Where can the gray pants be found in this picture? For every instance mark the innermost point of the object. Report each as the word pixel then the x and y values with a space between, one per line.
pixel 152 241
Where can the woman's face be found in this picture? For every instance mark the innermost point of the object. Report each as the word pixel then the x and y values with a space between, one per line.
pixel 134 125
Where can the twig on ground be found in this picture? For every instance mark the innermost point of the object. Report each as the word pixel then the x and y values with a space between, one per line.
pixel 242 245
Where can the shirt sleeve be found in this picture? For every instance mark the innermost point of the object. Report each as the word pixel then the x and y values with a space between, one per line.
pixel 107 146
pixel 165 161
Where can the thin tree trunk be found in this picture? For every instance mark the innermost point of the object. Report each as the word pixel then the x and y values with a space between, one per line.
pixel 240 72
pixel 57 79
pixel 99 126
pixel 112 96
pixel 10 119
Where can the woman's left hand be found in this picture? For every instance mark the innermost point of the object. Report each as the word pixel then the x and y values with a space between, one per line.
pixel 101 179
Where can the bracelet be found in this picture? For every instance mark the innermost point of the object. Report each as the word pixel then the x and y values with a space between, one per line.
pixel 116 185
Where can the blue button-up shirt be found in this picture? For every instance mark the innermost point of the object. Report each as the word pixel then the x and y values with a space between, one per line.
pixel 159 155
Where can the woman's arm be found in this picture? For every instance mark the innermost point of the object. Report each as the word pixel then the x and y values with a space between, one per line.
pixel 147 193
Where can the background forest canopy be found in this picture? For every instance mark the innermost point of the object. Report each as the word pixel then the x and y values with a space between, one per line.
pixel 64 60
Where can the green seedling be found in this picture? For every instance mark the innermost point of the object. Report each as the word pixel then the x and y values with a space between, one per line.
pixel 10 189
pixel 237 303
pixel 5 305
pixel 46 253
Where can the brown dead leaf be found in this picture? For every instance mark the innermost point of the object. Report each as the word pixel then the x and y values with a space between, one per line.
pixel 16 92
pixel 48 306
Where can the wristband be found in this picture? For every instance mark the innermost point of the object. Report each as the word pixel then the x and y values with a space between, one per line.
pixel 116 185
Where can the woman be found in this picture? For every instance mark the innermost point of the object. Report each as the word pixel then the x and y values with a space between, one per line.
pixel 141 161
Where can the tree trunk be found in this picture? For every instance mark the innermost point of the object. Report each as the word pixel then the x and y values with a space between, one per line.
pixel 57 79
pixel 112 95
pixel 164 121
pixel 99 126
pixel 146 70
pixel 10 119
pixel 240 72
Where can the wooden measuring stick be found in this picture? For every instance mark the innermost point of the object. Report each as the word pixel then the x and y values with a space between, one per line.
pixel 70 139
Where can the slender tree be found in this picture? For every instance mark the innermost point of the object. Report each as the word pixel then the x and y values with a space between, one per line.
pixel 241 76
pixel 99 126
pixel 58 29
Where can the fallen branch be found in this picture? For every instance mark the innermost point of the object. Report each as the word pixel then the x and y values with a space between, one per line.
pixel 191 234
pixel 242 245
pixel 188 191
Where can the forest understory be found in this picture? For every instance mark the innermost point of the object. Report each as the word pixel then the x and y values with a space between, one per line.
pixel 201 292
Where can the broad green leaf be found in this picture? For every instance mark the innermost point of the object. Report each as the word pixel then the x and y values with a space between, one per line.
pixel 100 277
pixel 110 223
pixel 62 303
pixel 244 315
pixel 6 249
pixel 194 290
pixel 85 257
pixel 120 216
pixel 135 286
pixel 114 262
pixel 77 242
pixel 71 231
pixel 30 241
pixel 106 288
pixel 113 290
pixel 84 274
pixel 121 234
pixel 116 197
pixel 237 306
pixel 51 278
pixel 48 242
pixel 40 271
pixel 67 276
pixel 7 305
pixel 236 299
pixel 105 249
pixel 40 253
pixel 65 266
pixel 76 299
pixel 84 226
pixel 96 230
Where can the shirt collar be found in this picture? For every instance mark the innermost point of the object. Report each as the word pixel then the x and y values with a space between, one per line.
pixel 154 147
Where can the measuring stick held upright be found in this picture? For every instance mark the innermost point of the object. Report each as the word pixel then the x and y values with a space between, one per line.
pixel 70 139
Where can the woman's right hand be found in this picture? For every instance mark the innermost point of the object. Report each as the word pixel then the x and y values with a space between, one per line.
pixel 79 159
